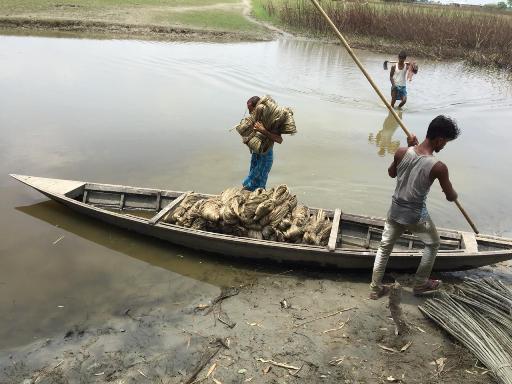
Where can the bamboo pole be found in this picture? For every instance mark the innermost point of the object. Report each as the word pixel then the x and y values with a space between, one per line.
pixel 379 93
pixel 465 214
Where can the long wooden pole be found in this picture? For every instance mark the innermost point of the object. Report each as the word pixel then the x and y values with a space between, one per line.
pixel 465 214
pixel 379 93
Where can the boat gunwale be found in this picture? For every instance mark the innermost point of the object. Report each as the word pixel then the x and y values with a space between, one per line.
pixel 269 243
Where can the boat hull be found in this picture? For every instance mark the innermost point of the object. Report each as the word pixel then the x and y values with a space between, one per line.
pixel 276 252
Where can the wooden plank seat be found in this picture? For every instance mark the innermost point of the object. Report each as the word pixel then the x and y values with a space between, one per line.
pixel 155 219
pixel 333 237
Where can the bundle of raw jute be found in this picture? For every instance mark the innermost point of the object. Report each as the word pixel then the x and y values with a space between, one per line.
pixel 274 118
pixel 271 214
pixel 478 314
pixel 317 231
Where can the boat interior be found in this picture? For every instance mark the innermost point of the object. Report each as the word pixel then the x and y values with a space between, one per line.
pixel 349 231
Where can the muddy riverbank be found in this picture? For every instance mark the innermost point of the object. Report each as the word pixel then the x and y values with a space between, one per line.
pixel 287 327
pixel 109 30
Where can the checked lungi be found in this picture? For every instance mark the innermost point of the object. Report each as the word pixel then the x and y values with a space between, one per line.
pixel 260 168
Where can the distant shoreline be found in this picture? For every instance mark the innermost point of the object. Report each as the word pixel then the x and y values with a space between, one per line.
pixel 253 24
pixel 79 28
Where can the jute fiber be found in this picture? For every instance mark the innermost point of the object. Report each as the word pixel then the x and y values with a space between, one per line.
pixel 272 214
pixel 274 118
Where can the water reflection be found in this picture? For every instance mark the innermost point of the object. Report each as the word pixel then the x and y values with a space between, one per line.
pixel 384 138
pixel 198 266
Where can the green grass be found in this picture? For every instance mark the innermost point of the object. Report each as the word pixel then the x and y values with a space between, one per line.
pixel 13 6
pixel 259 12
pixel 208 19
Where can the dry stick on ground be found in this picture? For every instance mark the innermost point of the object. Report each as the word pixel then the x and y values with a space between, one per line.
pixel 282 365
pixel 337 328
pixel 296 372
pixel 46 371
pixel 224 294
pixel 324 317
pixel 223 317
pixel 202 363
pixel 395 296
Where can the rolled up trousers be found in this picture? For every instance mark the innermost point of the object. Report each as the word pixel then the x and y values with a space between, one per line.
pixel 427 233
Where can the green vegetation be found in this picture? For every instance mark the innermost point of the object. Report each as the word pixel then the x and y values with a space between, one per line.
pixel 261 11
pixel 208 19
pixel 112 16
pixel 30 5
pixel 475 34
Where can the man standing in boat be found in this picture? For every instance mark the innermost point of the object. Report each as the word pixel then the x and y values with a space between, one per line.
pixel 416 169
pixel 261 163
pixel 397 76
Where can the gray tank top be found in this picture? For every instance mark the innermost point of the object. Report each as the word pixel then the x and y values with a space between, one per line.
pixel 412 186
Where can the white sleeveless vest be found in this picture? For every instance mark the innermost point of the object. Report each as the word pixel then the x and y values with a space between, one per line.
pixel 412 187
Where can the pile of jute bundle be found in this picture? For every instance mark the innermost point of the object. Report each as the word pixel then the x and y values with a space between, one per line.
pixel 271 214
pixel 479 315
pixel 274 118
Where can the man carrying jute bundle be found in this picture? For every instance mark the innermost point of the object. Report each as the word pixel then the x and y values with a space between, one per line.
pixel 398 74
pixel 260 130
pixel 416 169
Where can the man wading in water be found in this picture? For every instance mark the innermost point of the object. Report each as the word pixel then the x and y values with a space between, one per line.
pixel 397 76
pixel 260 163
pixel 416 169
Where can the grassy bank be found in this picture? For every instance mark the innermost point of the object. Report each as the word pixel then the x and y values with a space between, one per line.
pixel 167 18
pixel 478 36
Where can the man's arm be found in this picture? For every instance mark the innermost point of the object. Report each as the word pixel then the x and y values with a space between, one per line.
pixel 391 73
pixel 440 171
pixel 399 155
pixel 275 137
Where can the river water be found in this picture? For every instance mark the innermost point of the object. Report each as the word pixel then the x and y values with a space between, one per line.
pixel 159 114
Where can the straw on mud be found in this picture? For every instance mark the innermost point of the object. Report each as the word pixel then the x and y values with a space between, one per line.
pixel 478 317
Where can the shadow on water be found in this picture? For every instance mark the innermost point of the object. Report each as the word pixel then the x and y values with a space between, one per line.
pixel 202 266
pixel 153 251
pixel 384 138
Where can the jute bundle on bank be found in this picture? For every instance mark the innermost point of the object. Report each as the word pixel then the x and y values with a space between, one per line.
pixel 274 118
pixel 479 316
pixel 271 214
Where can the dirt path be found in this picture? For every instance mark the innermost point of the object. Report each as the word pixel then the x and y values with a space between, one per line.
pixel 247 9
pixel 211 7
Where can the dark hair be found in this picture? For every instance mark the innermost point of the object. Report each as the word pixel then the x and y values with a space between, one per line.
pixel 253 100
pixel 443 126
pixel 402 54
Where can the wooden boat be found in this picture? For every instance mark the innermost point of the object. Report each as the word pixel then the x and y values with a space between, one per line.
pixel 352 243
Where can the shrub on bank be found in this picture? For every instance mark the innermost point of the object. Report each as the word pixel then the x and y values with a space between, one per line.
pixel 480 36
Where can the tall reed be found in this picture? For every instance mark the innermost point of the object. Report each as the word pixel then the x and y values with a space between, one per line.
pixel 437 31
